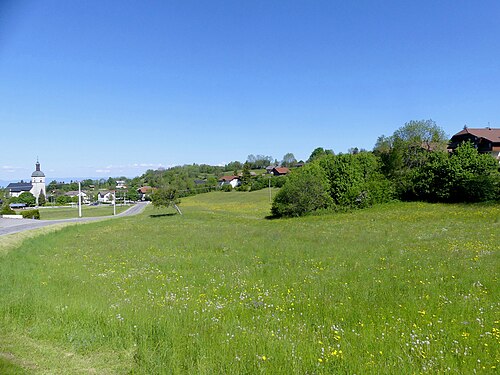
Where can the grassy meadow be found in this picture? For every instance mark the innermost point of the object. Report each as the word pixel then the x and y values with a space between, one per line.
pixel 56 213
pixel 397 288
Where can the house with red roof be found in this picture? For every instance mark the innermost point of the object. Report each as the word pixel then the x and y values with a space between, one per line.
pixel 280 171
pixel 234 181
pixel 485 140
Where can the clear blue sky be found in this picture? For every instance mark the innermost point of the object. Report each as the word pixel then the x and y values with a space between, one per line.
pixel 109 88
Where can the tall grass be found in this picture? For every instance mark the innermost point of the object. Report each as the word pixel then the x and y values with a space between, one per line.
pixel 398 288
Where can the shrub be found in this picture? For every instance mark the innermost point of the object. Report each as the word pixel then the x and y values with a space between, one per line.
pixel 262 182
pixel 305 190
pixel 355 180
pixel 226 188
pixel 464 176
pixel 6 210
pixel 31 214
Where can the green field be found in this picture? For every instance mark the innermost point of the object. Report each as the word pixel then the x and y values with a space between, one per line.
pixel 55 213
pixel 399 288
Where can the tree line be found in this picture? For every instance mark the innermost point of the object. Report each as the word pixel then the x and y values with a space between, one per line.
pixel 411 164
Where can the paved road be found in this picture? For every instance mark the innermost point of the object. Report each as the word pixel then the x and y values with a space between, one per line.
pixel 9 226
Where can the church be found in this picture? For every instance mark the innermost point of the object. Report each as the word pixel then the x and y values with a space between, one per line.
pixel 35 187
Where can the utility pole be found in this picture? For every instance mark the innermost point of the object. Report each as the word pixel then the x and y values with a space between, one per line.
pixel 114 203
pixel 79 199
pixel 270 193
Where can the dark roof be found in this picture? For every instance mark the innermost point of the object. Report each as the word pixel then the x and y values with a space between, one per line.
pixel 199 182
pixel 37 172
pixel 17 187
pixel 17 205
pixel 490 134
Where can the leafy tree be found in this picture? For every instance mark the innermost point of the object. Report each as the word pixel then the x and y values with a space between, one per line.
pixel 52 185
pixel 305 191
pixel 259 161
pixel 318 153
pixel 63 200
pixel 409 146
pixel 234 165
pixel 288 160
pixel 132 194
pixel 355 180
pixel 408 149
pixel 464 176
pixel 166 197
pixel 27 198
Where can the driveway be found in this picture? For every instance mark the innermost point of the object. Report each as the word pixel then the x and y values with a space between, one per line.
pixel 9 226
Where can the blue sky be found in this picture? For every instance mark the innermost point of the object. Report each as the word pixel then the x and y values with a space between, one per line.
pixel 110 88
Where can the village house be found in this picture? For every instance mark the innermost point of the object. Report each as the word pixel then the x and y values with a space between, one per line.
pixel 144 192
pixel 485 140
pixel 280 171
pixel 105 196
pixel 234 181
pixel 72 194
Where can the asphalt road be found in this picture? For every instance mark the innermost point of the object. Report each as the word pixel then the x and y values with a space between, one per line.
pixel 9 226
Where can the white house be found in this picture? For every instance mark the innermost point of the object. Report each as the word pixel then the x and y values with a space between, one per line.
pixel 105 196
pixel 234 181
pixel 85 197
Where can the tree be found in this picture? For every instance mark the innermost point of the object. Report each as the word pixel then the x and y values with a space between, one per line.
pixel 288 160
pixel 166 197
pixel 408 149
pixel 463 176
pixel 246 176
pixel 26 198
pixel 318 153
pixel 305 191
pixel 132 194
pixel 41 199
pixel 355 180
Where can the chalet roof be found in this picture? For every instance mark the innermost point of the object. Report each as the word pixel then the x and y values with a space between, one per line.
pixel 74 193
pixel 281 170
pixel 490 134
pixel 104 193
pixel 17 187
pixel 228 178
pixel 144 189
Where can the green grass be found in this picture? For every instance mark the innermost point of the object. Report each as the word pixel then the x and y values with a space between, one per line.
pixel 7 367
pixel 55 213
pixel 397 288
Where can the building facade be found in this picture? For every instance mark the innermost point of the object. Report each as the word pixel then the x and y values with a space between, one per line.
pixel 35 187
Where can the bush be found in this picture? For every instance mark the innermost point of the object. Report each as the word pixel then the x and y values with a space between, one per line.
pixel 226 188
pixel 262 182
pixel 305 190
pixel 31 214
pixel 355 180
pixel 464 176
pixel 6 210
